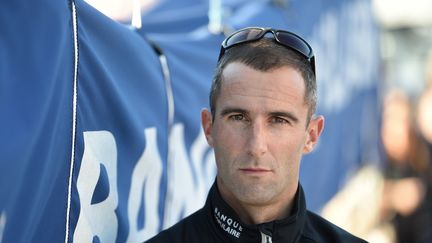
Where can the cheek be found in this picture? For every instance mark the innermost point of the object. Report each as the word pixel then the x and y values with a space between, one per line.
pixel 227 144
pixel 227 137
pixel 289 140
pixel 289 164
pixel 288 150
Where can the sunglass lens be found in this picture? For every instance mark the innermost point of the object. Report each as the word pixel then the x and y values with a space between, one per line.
pixel 244 35
pixel 293 41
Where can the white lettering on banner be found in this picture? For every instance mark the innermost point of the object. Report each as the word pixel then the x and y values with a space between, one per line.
pixel 2 225
pixel 188 180
pixel 147 173
pixel 97 219
pixel 347 53
pixel 188 184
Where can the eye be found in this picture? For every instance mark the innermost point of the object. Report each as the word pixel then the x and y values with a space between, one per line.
pixel 279 120
pixel 237 117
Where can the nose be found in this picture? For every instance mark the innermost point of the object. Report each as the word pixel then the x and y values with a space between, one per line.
pixel 257 145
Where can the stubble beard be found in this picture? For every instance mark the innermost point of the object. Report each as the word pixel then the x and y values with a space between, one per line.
pixel 251 191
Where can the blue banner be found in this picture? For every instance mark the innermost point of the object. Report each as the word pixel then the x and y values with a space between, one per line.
pixel 100 137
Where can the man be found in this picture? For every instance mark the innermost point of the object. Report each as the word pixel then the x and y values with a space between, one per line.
pixel 261 121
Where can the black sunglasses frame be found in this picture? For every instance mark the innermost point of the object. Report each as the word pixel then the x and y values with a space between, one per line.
pixel 294 42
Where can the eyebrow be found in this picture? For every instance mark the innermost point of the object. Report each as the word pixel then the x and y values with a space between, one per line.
pixel 230 110
pixel 285 114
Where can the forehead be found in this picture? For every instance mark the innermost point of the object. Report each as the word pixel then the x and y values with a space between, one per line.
pixel 280 85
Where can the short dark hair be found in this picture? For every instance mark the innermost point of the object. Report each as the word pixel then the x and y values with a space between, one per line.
pixel 264 55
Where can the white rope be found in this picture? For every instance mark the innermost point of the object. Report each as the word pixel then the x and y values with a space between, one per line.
pixel 74 114
pixel 215 16
pixel 136 14
pixel 168 87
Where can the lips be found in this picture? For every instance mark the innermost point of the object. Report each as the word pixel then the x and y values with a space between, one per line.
pixel 255 170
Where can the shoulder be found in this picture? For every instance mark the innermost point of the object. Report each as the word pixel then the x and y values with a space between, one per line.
pixel 318 229
pixel 194 228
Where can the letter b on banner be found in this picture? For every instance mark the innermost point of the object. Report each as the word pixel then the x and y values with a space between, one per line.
pixel 98 219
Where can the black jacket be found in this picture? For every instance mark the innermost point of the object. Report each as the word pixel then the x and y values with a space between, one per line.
pixel 217 222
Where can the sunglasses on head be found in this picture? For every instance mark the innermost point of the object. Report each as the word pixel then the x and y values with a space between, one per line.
pixel 283 37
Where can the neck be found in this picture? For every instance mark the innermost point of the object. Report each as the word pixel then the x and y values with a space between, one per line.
pixel 251 213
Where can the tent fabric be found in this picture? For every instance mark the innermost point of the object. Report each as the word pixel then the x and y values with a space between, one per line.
pixel 36 71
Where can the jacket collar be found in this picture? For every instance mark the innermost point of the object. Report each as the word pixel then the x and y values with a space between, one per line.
pixel 229 227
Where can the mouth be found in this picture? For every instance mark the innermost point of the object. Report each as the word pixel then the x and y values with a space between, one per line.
pixel 255 171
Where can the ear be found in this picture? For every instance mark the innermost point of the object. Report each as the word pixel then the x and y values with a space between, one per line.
pixel 314 130
pixel 207 124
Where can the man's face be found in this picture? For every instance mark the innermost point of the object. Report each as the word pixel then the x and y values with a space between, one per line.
pixel 259 133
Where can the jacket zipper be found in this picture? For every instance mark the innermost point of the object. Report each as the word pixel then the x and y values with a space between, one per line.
pixel 265 238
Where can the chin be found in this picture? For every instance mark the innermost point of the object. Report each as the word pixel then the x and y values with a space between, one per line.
pixel 255 194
